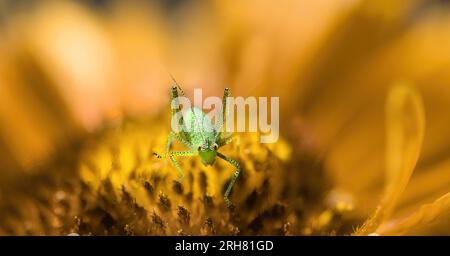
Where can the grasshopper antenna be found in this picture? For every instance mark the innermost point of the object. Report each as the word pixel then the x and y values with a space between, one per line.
pixel 176 83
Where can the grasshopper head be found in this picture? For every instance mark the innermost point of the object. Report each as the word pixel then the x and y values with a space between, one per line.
pixel 207 154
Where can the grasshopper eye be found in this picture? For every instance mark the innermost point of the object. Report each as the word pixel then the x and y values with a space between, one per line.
pixel 215 146
pixel 199 148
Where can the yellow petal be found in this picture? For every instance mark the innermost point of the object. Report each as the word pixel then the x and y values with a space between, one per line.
pixel 425 215
pixel 405 127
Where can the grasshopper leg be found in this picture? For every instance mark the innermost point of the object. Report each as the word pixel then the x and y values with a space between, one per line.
pixel 233 178
pixel 170 139
pixel 220 126
pixel 174 161
pixel 169 142
pixel 172 156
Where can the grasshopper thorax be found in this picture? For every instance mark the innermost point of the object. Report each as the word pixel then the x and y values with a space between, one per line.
pixel 202 135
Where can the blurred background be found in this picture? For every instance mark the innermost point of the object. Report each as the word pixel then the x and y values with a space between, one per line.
pixel 70 68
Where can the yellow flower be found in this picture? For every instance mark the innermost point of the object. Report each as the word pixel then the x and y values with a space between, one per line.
pixel 363 88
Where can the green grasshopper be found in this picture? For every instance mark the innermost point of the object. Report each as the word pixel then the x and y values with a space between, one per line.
pixel 203 138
